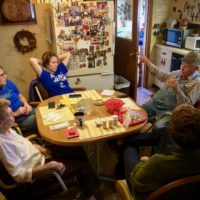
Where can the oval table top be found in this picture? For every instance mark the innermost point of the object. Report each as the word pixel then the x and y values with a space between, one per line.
pixel 59 137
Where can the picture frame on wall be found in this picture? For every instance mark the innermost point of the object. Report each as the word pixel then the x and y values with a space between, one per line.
pixel 17 12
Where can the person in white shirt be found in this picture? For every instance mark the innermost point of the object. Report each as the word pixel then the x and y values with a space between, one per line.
pixel 25 161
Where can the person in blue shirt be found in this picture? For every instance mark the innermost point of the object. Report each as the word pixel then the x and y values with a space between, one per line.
pixel 23 112
pixel 51 74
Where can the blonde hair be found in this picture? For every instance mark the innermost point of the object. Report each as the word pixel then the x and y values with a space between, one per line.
pixel 3 104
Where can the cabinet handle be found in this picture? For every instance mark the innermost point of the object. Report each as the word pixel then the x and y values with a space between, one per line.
pixel 78 80
pixel 164 62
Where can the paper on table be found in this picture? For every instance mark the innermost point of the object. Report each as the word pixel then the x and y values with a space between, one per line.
pixel 130 104
pixel 107 93
pixel 54 116
pixel 90 130
pixel 89 94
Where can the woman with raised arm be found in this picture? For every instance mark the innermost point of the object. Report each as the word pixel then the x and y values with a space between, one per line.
pixel 51 73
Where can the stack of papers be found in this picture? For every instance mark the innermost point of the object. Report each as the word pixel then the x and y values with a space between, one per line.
pixel 108 93
pixel 52 116
pixel 55 116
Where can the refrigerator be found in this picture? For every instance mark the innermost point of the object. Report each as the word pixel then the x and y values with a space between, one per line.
pixel 86 29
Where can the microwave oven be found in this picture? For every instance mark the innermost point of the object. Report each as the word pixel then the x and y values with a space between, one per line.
pixel 192 43
pixel 176 37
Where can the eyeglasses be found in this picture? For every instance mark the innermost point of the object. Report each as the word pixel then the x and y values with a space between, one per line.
pixel 3 74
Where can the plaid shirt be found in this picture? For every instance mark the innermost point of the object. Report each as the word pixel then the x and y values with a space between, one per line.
pixel 189 88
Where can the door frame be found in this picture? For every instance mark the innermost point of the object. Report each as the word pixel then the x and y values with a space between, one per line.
pixel 148 38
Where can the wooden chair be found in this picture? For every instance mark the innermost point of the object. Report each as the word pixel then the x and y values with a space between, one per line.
pixel 191 181
pixel 123 190
pixel 7 183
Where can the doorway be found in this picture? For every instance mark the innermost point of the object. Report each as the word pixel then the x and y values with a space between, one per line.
pixel 132 40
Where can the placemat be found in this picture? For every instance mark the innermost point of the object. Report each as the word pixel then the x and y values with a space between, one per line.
pixel 90 130
pixel 89 94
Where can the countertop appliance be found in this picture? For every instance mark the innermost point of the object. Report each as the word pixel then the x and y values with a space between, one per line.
pixel 176 37
pixel 192 43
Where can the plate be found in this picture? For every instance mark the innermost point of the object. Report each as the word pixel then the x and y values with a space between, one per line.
pixel 136 115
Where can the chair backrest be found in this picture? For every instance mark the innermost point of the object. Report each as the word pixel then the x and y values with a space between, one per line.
pixel 37 91
pixel 183 188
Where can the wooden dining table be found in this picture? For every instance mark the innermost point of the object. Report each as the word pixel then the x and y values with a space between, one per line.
pixel 58 137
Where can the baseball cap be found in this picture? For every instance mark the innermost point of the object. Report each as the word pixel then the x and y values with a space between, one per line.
pixel 192 58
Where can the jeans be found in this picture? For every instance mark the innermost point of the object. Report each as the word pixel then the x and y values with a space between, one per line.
pixel 159 118
pixel 131 158
pixel 27 123
pixel 159 139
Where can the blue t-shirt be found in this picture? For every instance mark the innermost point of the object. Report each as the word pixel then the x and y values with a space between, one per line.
pixel 11 93
pixel 56 83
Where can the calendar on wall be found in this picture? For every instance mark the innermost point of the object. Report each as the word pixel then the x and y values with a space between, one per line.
pixel 86 29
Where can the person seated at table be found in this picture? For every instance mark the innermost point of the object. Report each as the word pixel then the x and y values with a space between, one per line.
pixel 51 74
pixel 181 86
pixel 25 161
pixel 146 174
pixel 23 112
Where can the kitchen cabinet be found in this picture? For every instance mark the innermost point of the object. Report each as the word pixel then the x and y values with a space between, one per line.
pixel 162 57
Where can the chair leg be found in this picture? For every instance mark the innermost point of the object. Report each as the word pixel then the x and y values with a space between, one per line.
pixel 64 187
pixel 123 190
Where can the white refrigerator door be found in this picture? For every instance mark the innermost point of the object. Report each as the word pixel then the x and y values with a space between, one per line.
pixel 86 30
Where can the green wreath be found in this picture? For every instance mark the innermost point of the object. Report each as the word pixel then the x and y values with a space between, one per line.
pixel 22 35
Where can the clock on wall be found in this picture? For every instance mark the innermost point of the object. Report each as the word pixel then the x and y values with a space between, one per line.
pixel 17 11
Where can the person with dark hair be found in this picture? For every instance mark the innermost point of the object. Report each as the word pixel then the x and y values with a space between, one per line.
pixel 23 112
pixel 25 162
pixel 181 86
pixel 146 174
pixel 51 74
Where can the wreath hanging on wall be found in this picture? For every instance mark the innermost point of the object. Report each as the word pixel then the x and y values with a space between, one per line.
pixel 25 41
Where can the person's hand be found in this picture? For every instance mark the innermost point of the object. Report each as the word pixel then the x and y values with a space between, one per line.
pixel 172 83
pixel 58 166
pixel 144 158
pixel 144 59
pixel 20 111
pixel 46 152
pixel 28 109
